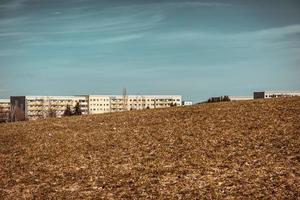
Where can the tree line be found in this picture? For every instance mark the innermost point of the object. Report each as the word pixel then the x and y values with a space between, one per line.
pixel 218 99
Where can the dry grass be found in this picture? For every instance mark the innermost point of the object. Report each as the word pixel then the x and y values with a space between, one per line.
pixel 234 150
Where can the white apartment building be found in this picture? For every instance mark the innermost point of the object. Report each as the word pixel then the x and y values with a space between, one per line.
pixel 36 107
pixel 187 103
pixel 107 103
pixel 275 94
pixel 98 104
pixel 139 102
pixel 4 110
pixel 240 98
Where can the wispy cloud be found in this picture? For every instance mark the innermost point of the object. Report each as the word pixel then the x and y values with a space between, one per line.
pixel 85 30
pixel 269 33
pixel 200 4
pixel 170 5
pixel 122 24
pixel 274 32
pixel 124 20
pixel 13 4
pixel 88 42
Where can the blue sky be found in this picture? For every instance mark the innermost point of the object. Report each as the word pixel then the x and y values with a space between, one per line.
pixel 194 48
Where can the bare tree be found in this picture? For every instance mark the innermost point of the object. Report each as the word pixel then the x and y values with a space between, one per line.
pixel 52 111
pixel 125 99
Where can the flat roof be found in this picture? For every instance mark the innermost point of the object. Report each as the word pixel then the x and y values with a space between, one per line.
pixel 4 100
pixel 241 97
pixel 107 96
pixel 133 95
pixel 270 91
pixel 54 97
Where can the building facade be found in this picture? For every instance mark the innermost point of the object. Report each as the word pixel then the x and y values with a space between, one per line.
pixel 240 98
pixel 187 103
pixel 98 104
pixel 4 110
pixel 117 103
pixel 275 94
pixel 39 107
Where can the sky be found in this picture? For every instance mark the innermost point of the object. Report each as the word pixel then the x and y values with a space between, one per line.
pixel 193 48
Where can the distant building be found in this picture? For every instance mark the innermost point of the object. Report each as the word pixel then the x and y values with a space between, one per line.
pixel 99 104
pixel 4 110
pixel 274 94
pixel 240 98
pixel 37 107
pixel 117 103
pixel 187 103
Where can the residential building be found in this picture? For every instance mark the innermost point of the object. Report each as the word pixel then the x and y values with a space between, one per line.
pixel 275 94
pixel 187 103
pixel 98 104
pixel 117 103
pixel 240 98
pixel 139 102
pixel 36 107
pixel 4 110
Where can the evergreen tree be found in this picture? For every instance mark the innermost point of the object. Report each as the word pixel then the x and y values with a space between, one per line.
pixel 218 99
pixel 68 111
pixel 77 110
pixel 226 98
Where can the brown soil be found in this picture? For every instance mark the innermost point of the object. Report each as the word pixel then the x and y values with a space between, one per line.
pixel 234 150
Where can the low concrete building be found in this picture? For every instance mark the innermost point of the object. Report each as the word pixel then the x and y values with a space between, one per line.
pixel 240 98
pixel 275 94
pixel 4 110
pixel 187 103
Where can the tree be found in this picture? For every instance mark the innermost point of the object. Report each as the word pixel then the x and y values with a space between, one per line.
pixel 51 113
pixel 218 99
pixel 68 111
pixel 125 99
pixel 77 110
pixel 226 98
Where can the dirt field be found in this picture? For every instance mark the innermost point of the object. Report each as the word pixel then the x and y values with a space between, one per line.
pixel 234 150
